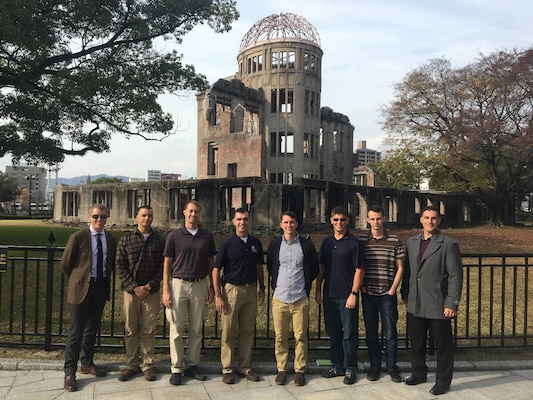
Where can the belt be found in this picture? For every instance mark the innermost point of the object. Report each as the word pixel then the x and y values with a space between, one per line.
pixel 93 279
pixel 242 284
pixel 191 279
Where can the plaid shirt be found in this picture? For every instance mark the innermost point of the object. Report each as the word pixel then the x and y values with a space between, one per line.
pixel 139 262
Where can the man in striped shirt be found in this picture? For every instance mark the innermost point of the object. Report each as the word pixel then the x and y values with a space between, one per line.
pixel 384 256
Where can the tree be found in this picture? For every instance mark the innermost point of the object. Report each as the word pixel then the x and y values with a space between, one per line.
pixel 75 73
pixel 8 188
pixel 400 169
pixel 24 199
pixel 474 123
pixel 107 179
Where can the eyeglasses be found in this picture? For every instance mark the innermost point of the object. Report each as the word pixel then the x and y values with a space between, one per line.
pixel 339 219
pixel 102 216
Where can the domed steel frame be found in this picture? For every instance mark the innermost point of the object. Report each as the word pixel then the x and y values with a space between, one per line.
pixel 280 27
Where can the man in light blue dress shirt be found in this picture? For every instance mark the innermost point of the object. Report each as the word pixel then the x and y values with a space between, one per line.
pixel 292 264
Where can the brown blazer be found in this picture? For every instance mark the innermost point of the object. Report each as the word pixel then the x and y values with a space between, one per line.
pixel 76 263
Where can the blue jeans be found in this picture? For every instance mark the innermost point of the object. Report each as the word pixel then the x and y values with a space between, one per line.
pixel 342 325
pixel 387 307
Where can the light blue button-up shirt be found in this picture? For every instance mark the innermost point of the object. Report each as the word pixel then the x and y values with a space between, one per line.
pixel 290 286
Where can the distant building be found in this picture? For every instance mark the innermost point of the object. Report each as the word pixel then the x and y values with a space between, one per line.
pixel 32 178
pixel 266 121
pixel 363 155
pixel 166 176
pixel 364 176
pixel 136 180
pixel 153 175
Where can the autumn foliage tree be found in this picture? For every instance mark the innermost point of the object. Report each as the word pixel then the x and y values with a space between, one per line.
pixel 75 73
pixel 472 125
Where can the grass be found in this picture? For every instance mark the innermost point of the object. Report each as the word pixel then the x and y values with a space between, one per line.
pixel 480 239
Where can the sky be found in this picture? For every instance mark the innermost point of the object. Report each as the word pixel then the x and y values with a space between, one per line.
pixel 368 45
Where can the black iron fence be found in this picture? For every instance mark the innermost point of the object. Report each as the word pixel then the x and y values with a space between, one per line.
pixel 495 308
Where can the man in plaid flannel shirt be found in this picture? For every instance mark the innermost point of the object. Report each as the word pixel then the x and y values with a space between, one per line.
pixel 139 263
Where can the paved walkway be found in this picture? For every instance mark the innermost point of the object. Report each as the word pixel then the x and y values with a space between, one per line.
pixel 42 379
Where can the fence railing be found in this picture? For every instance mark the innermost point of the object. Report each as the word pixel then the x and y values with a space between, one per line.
pixel 495 309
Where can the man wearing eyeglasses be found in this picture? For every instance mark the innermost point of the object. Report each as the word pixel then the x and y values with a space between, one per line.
pixel 341 270
pixel 88 262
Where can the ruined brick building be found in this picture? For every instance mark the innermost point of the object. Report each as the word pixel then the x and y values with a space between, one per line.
pixel 266 121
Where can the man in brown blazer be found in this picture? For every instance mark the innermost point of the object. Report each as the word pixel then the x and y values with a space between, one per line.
pixel 88 262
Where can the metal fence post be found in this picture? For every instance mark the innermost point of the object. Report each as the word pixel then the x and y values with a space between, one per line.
pixel 49 293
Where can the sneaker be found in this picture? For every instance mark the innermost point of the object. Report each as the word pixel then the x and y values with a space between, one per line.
pixel 175 379
pixel 192 372
pixel 126 374
pixel 349 378
pixel 373 375
pixel 331 373
pixel 299 379
pixel 149 374
pixel 395 376
pixel 281 378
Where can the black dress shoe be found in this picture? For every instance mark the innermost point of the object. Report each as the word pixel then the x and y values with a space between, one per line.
pixel 192 372
pixel 413 380
pixel 437 389
pixel 175 379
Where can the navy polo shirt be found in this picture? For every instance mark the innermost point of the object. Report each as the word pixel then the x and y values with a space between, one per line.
pixel 341 258
pixel 239 260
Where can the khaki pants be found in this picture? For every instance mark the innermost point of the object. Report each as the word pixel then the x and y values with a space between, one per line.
pixel 241 311
pixel 140 323
pixel 188 299
pixel 283 314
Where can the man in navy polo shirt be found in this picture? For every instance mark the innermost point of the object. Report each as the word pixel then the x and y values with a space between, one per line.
pixel 236 295
pixel 341 269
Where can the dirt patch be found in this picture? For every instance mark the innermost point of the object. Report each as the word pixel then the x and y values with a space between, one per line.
pixel 482 239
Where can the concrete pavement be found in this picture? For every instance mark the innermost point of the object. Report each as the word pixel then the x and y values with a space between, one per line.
pixel 43 380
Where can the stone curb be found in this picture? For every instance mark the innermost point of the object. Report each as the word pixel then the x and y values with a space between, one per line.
pixel 211 367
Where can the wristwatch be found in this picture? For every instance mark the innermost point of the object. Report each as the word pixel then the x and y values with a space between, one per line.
pixel 355 293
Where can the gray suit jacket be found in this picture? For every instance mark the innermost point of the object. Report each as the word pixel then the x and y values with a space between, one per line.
pixel 434 282
pixel 76 263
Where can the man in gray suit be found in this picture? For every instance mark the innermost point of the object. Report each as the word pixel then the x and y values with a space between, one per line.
pixel 88 262
pixel 432 288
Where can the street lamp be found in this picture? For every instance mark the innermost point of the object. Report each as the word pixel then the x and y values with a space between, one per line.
pixel 30 178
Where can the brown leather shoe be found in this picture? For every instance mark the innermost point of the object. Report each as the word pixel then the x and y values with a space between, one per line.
pixel 299 378
pixel 228 378
pixel 250 375
pixel 149 374
pixel 93 370
pixel 70 384
pixel 281 378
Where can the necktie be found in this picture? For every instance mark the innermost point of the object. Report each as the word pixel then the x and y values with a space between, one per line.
pixel 99 258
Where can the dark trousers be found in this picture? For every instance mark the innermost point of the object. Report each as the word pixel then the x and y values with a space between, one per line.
pixel 441 332
pixel 385 307
pixel 85 319
pixel 342 326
